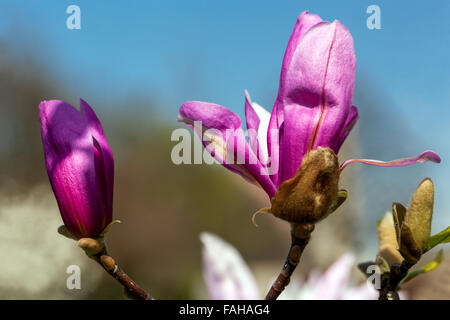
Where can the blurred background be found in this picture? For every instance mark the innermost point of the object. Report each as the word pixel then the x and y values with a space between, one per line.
pixel 135 63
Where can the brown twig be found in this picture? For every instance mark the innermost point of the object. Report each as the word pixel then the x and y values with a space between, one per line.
pixel 96 250
pixel 132 289
pixel 300 235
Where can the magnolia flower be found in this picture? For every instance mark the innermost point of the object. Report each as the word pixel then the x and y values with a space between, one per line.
pixel 313 109
pixel 80 166
pixel 228 277
pixel 226 274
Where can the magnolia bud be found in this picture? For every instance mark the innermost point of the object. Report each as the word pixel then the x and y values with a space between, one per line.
pixel 309 195
pixel 416 228
pixel 398 214
pixel 387 240
pixel 80 166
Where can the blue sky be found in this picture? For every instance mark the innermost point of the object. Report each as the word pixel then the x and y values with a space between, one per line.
pixel 229 46
pixel 175 51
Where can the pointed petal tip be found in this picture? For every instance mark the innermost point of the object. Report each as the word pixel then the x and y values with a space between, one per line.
pixel 49 103
pixel 248 100
pixel 84 106
pixel 42 106
pixel 306 13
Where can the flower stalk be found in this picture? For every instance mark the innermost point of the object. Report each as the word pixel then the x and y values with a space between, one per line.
pixel 131 289
pixel 390 281
pixel 300 235
pixel 95 248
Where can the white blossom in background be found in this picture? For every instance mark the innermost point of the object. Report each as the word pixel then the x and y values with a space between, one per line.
pixel 33 257
pixel 228 277
pixel 226 274
pixel 333 284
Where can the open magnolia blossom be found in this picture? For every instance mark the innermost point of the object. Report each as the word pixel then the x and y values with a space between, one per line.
pixel 80 166
pixel 228 277
pixel 313 109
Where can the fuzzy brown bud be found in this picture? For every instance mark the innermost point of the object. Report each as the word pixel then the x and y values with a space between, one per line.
pixel 309 195
pixel 387 240
pixel 416 228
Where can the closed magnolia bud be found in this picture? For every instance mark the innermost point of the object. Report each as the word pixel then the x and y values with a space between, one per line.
pixel 387 240
pixel 80 166
pixel 416 228
pixel 398 215
pixel 313 190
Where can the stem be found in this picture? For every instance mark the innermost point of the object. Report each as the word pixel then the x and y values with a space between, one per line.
pixel 300 235
pixel 390 282
pixel 96 250
pixel 132 289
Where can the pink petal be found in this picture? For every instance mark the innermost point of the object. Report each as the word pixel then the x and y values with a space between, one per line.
pixel 364 291
pixel 352 118
pixel 226 274
pixel 334 281
pixel 304 22
pixel 318 94
pixel 423 157
pixel 227 141
pixel 104 159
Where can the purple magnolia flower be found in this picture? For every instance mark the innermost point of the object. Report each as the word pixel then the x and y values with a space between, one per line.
pixel 80 166
pixel 313 109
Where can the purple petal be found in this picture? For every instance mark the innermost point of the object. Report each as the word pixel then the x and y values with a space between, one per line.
pixel 104 160
pixel 318 94
pixel 226 141
pixel 338 85
pixel 423 157
pixel 352 118
pixel 69 158
pixel 226 274
pixel 304 22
